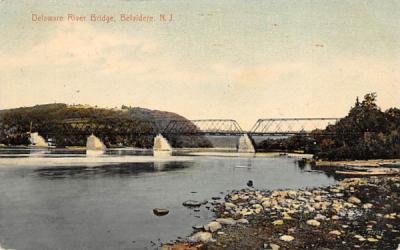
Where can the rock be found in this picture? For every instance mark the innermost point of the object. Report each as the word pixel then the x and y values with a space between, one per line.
pixel 220 233
pixel 213 226
pixel 274 246
pixel 370 239
pixel 320 217
pixel 354 200
pixel 367 206
pixel 242 221
pixel 201 237
pixel 192 203
pixel 160 211
pixel 234 197
pixel 229 205
pixel 216 198
pixel 266 204
pixel 226 221
pixel 250 183
pixel 335 232
pixel 286 238
pixel 335 217
pixel 359 237
pixel 277 222
pixel 314 223
pixel 286 216
pixel 198 227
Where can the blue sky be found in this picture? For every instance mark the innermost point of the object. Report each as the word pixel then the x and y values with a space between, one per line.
pixel 217 59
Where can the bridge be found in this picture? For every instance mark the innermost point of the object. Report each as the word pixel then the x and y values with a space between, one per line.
pixel 162 130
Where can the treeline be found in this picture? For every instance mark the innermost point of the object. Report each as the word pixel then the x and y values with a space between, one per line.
pixel 366 132
pixel 70 125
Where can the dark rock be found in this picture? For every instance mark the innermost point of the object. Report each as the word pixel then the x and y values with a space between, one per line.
pixel 160 211
pixel 250 183
pixel 192 203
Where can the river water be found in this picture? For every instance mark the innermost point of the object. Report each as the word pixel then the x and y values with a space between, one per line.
pixel 67 201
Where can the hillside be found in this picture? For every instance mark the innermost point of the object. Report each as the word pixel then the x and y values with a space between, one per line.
pixel 69 125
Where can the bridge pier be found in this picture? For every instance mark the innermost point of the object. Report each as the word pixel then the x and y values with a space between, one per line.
pixel 246 144
pixel 94 146
pixel 161 146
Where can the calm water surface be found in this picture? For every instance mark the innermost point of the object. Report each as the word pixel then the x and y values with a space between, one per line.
pixel 59 205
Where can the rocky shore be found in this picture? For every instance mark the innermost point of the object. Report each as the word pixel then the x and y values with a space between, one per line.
pixel 354 214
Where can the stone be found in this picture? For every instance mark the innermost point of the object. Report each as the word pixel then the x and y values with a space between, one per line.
pixel 359 237
pixel 367 206
pixel 201 237
pixel 242 221
pixel 198 227
pixel 266 204
pixel 234 197
pixel 192 203
pixel 335 232
pixel 213 226
pixel 354 200
pixel 286 216
pixel 226 221
pixel 229 205
pixel 274 246
pixel 286 238
pixel 160 211
pixel 370 239
pixel 320 217
pixel 277 222
pixel 314 223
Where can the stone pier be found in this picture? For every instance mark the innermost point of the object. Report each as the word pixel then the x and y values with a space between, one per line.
pixel 246 144
pixel 161 146
pixel 94 146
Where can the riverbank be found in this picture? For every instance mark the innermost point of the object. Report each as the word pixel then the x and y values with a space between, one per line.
pixel 359 163
pixel 353 214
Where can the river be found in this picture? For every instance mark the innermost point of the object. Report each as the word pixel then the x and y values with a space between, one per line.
pixel 65 200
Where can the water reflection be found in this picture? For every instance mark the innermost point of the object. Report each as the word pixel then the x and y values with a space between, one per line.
pixel 305 166
pixel 118 170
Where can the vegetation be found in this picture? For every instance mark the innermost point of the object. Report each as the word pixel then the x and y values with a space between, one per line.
pixel 70 125
pixel 366 132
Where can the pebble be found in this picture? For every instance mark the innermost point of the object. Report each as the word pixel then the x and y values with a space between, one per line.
pixel 314 223
pixel 354 200
pixel 226 221
pixel 277 222
pixel 192 203
pixel 274 246
pixel 201 237
pixel 242 221
pixel 335 232
pixel 286 238
pixel 160 211
pixel 213 226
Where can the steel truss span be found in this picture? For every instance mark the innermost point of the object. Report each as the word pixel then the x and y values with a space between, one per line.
pixel 290 126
